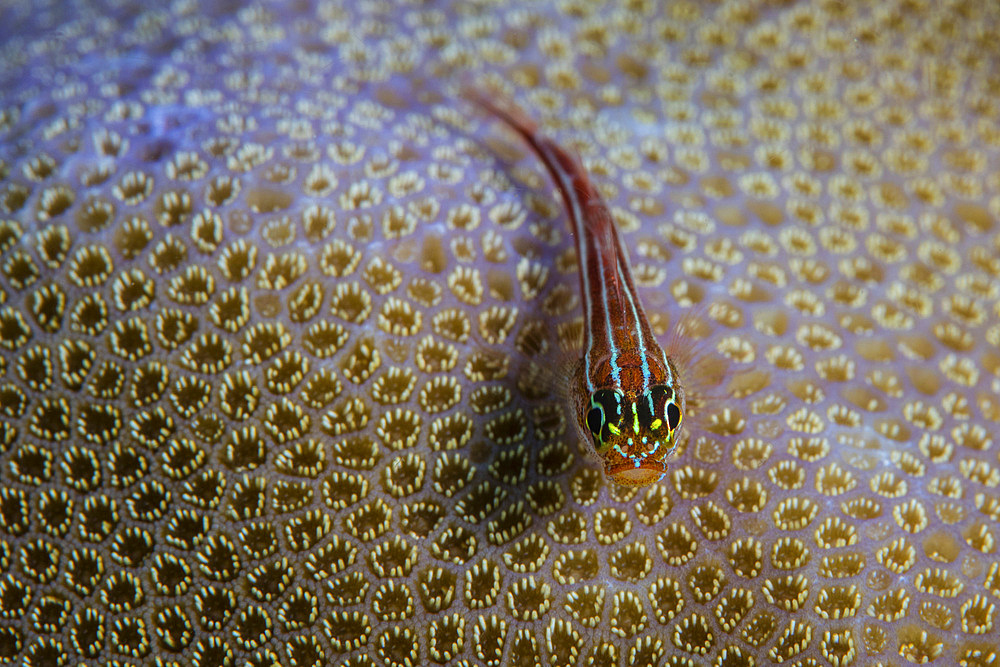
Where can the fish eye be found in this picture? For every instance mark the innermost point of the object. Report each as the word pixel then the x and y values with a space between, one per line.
pixel 656 408
pixel 604 414
pixel 673 416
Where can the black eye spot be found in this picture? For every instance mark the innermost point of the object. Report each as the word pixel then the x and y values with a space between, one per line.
pixel 606 409
pixel 611 401
pixel 595 421
pixel 673 416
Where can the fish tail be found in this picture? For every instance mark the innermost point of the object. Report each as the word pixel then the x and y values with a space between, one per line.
pixel 565 170
pixel 507 112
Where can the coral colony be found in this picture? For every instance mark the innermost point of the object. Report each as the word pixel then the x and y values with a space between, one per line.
pixel 276 304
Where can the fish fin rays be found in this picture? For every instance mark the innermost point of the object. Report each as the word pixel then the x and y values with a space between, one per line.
pixel 703 371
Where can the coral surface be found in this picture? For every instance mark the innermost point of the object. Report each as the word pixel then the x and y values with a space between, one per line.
pixel 279 317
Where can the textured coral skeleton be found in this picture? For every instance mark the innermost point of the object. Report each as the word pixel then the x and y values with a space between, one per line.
pixel 267 293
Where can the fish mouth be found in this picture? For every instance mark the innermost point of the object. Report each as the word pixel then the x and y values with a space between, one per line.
pixel 628 474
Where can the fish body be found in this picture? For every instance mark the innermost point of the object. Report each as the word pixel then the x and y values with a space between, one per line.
pixel 625 391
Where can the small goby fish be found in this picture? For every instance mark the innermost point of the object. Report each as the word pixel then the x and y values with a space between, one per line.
pixel 626 393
